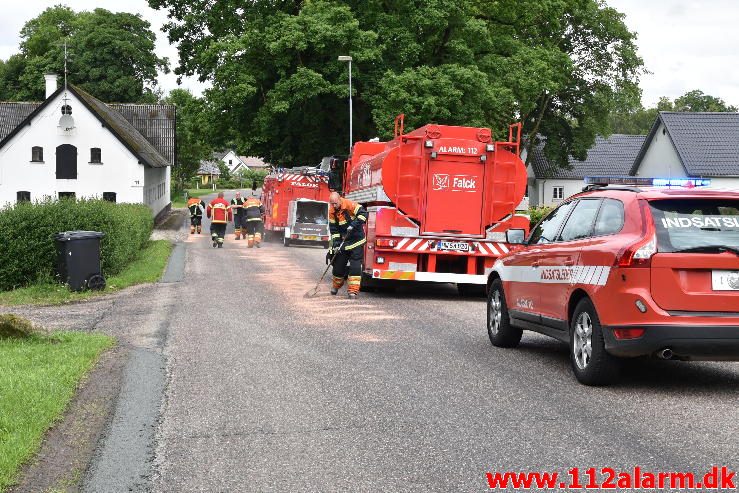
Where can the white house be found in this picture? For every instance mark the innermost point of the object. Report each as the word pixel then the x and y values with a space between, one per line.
pixel 74 145
pixel 550 184
pixel 692 145
pixel 230 158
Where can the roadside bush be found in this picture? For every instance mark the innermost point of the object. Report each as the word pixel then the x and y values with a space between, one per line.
pixel 536 214
pixel 27 235
pixel 15 327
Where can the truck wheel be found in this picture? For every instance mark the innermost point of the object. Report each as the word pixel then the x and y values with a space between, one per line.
pixel 471 290
pixel 591 363
pixel 286 242
pixel 500 330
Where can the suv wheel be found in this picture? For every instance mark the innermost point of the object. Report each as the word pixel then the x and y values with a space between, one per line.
pixel 500 331
pixel 591 363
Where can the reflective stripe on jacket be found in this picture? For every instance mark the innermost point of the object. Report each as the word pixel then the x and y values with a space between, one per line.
pixel 196 207
pixel 237 206
pixel 219 211
pixel 348 214
pixel 253 209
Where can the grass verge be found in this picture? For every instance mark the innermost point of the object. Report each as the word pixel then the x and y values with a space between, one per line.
pixel 148 267
pixel 38 378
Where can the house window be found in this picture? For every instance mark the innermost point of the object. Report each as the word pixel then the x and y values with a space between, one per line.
pixel 558 193
pixel 66 162
pixel 95 155
pixel 67 195
pixel 37 154
pixel 109 196
pixel 23 196
pixel 230 161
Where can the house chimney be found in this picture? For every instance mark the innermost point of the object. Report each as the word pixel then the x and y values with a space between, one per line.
pixel 50 84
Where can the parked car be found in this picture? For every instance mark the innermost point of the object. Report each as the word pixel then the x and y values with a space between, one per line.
pixel 624 271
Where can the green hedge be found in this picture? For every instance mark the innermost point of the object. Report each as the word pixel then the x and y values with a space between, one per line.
pixel 536 214
pixel 27 235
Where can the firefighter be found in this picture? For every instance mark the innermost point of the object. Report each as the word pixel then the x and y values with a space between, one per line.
pixel 253 213
pixel 238 214
pixel 196 207
pixel 346 223
pixel 219 212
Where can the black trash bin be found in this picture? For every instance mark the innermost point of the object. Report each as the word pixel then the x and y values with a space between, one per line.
pixel 78 259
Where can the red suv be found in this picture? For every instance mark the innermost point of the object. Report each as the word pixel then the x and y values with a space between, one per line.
pixel 619 272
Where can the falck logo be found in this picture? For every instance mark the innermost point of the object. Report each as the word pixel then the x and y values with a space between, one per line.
pixel 734 280
pixel 441 182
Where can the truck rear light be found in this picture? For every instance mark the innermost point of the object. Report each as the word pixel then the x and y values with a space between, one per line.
pixel 324 238
pixel 433 155
pixel 379 260
pixel 429 144
pixel 622 334
pixel 483 158
pixel 294 237
pixel 384 242
pixel 490 148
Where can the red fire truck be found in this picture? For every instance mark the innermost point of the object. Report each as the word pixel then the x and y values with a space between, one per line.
pixel 440 200
pixel 285 185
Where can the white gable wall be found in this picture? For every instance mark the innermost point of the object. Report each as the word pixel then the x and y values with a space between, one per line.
pixel 234 163
pixel 545 190
pixel 661 159
pixel 120 171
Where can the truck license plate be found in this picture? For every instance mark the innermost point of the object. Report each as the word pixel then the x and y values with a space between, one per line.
pixel 310 238
pixel 453 246
pixel 725 280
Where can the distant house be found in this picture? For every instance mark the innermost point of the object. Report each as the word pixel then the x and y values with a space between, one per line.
pixel 230 158
pixel 74 145
pixel 255 163
pixel 550 184
pixel 208 172
pixel 695 145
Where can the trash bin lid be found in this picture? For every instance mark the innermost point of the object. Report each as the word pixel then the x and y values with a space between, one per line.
pixel 78 235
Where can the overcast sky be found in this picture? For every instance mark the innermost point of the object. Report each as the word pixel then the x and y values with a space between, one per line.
pixel 685 44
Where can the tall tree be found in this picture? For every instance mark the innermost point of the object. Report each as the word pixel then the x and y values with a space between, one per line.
pixel 639 120
pixel 191 140
pixel 111 55
pixel 560 66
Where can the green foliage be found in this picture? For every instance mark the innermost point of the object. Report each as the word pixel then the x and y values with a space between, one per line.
pixel 279 92
pixel 251 177
pixel 191 136
pixel 27 235
pixel 536 214
pixel 38 378
pixel 225 172
pixel 15 327
pixel 110 55
pixel 639 120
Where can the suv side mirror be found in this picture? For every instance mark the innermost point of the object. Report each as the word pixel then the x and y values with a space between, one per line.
pixel 515 236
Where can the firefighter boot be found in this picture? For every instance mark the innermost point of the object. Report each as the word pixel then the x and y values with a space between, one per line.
pixel 237 233
pixel 353 289
pixel 250 241
pixel 338 282
pixel 200 229
pixel 258 240
pixel 220 242
pixel 214 237
pixel 192 230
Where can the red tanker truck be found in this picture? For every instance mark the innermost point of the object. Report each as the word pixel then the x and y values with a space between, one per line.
pixel 283 186
pixel 440 199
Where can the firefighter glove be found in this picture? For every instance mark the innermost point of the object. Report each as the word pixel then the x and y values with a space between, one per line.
pixel 349 229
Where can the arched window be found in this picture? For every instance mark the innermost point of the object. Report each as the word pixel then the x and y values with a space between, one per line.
pixel 37 154
pixel 66 162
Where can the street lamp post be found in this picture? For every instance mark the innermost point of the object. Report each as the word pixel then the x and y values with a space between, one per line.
pixel 344 58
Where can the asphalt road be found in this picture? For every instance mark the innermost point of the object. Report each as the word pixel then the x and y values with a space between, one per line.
pixel 268 390
pixel 265 390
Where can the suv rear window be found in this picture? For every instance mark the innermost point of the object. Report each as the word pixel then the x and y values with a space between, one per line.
pixel 693 223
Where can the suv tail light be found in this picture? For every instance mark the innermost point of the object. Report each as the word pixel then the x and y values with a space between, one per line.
pixel 639 254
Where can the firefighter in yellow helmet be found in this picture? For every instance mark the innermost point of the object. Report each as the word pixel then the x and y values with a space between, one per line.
pixel 196 207
pixel 346 223
pixel 253 213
